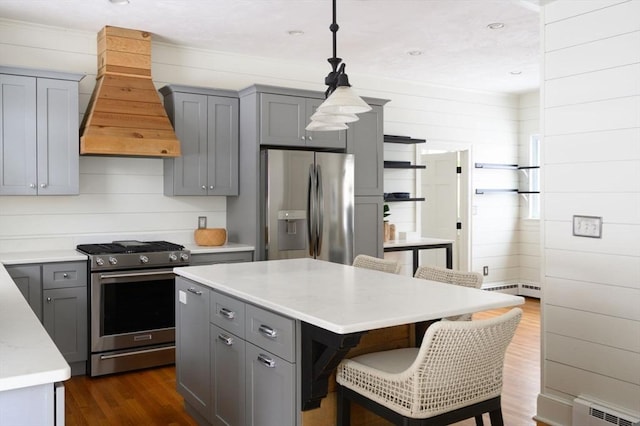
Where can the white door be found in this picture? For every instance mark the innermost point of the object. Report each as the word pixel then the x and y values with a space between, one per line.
pixel 440 211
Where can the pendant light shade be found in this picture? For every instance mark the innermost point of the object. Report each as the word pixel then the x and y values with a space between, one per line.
pixel 319 126
pixel 334 118
pixel 344 100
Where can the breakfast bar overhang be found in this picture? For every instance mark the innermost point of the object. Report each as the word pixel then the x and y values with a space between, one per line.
pixel 333 305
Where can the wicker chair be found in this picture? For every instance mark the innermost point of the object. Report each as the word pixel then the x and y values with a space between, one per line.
pixel 454 375
pixel 450 276
pixel 370 262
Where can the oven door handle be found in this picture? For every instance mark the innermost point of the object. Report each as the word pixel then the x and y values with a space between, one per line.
pixel 135 274
pixel 144 351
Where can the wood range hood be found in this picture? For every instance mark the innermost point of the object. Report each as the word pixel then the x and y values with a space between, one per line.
pixel 125 116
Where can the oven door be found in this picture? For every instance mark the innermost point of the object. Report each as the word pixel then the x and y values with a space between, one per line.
pixel 131 309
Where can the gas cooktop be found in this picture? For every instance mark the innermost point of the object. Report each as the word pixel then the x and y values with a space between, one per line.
pixel 129 246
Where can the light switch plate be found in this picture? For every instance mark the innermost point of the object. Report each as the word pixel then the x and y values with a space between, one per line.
pixel 587 226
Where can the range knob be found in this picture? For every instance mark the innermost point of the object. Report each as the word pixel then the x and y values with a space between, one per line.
pixel 173 257
pixel 99 261
pixel 144 259
pixel 113 260
pixel 184 257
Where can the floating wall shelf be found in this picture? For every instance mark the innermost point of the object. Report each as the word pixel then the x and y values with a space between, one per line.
pixel 393 200
pixel 402 139
pixel 496 166
pixel 481 191
pixel 402 165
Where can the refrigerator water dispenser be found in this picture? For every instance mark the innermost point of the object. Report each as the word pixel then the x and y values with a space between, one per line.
pixel 292 226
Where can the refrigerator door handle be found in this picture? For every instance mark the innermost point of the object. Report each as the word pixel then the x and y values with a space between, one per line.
pixel 311 210
pixel 320 208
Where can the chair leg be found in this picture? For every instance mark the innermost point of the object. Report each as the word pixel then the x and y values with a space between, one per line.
pixel 496 417
pixel 344 408
pixel 479 421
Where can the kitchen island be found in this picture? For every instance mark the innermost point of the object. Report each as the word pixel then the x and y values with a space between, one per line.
pixel 305 315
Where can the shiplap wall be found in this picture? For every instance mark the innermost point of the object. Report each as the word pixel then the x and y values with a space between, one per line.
pixel 591 166
pixel 123 196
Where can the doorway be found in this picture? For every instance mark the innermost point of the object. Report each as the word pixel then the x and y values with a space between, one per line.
pixel 446 186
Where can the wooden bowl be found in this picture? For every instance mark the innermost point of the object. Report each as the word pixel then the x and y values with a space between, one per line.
pixel 210 236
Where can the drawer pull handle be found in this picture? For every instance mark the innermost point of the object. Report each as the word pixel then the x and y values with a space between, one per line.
pixel 227 340
pixel 227 313
pixel 194 291
pixel 268 362
pixel 65 275
pixel 268 331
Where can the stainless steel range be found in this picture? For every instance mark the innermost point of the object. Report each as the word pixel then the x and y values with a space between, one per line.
pixel 132 304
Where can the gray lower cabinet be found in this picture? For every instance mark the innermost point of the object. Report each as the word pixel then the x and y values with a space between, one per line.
pixel 270 394
pixel 250 372
pixel 283 119
pixel 28 278
pixel 227 377
pixel 207 123
pixel 193 365
pixel 368 226
pixel 228 257
pixel 39 153
pixel 57 293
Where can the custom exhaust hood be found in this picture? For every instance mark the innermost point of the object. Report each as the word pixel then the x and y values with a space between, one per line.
pixel 125 116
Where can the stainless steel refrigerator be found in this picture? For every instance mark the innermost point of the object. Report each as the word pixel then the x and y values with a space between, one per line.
pixel 307 201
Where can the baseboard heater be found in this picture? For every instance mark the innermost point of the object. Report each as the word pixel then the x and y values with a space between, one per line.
pixel 590 413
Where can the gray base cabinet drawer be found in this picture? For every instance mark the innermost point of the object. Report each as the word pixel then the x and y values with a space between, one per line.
pixel 228 313
pixel 270 395
pixel 271 331
pixel 227 378
pixel 62 275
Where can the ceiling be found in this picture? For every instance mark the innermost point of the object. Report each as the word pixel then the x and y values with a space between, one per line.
pixel 375 37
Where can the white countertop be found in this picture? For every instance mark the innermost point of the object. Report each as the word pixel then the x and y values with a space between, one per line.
pixel 225 248
pixel 341 298
pixel 44 256
pixel 423 241
pixel 28 356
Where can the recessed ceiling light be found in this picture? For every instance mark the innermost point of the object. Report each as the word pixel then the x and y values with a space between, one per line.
pixel 415 52
pixel 496 26
pixel 515 72
pixel 119 1
pixel 295 32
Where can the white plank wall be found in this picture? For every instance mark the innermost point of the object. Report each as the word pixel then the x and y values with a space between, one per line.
pixel 591 166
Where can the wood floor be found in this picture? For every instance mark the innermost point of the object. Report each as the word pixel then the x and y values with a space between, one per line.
pixel 149 398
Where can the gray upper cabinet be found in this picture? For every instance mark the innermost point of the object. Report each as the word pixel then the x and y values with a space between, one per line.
pixel 365 141
pixel 39 137
pixel 283 119
pixel 206 122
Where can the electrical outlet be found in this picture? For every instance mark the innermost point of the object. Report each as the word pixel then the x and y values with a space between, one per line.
pixel 485 270
pixel 587 226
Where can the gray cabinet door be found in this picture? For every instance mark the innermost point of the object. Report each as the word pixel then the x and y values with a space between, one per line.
pixel 281 120
pixel 227 377
pixel 222 147
pixel 17 135
pixel 368 226
pixel 193 365
pixel 65 319
pixel 270 390
pixel 29 282
pixel 58 138
pixel 187 174
pixel 365 141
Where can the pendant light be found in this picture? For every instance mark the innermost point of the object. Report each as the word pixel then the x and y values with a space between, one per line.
pixel 342 102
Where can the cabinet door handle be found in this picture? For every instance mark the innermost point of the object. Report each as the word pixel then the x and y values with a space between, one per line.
pixel 204 187
pixel 32 185
pixel 227 340
pixel 210 186
pixel 310 138
pixel 268 331
pixel 302 138
pixel 65 275
pixel 227 313
pixel 49 300
pixel 268 362
pixel 43 185
pixel 194 291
